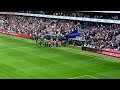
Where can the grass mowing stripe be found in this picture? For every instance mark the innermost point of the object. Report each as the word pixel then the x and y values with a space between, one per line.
pixel 65 65
pixel 93 55
pixel 6 48
pixel 9 71
pixel 17 38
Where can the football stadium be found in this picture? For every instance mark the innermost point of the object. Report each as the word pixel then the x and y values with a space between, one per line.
pixel 59 45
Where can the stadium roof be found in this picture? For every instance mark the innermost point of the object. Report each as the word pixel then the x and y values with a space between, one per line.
pixel 102 11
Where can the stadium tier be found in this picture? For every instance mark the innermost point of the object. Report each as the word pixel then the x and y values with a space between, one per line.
pixel 86 14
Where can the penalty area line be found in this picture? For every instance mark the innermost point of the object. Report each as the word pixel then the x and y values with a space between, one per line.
pixel 84 76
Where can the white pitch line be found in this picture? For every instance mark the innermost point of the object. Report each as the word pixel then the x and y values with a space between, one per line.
pixel 84 76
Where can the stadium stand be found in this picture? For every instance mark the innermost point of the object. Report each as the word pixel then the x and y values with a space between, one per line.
pixel 99 35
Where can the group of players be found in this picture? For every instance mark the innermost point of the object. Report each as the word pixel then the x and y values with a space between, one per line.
pixel 50 43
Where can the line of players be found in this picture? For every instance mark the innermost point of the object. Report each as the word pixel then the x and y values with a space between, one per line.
pixel 51 43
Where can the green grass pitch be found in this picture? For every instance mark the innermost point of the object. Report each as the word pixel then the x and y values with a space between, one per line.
pixel 21 59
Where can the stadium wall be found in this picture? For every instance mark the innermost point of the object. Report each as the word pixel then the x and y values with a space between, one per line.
pixel 108 53
pixel 16 34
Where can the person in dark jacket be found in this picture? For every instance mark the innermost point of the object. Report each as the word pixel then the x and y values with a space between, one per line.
pixel 36 38
pixel 45 44
pixel 57 44
pixel 49 44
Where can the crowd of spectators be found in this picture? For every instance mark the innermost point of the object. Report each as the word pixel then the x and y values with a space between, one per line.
pixel 102 37
pixel 78 14
pixel 37 26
